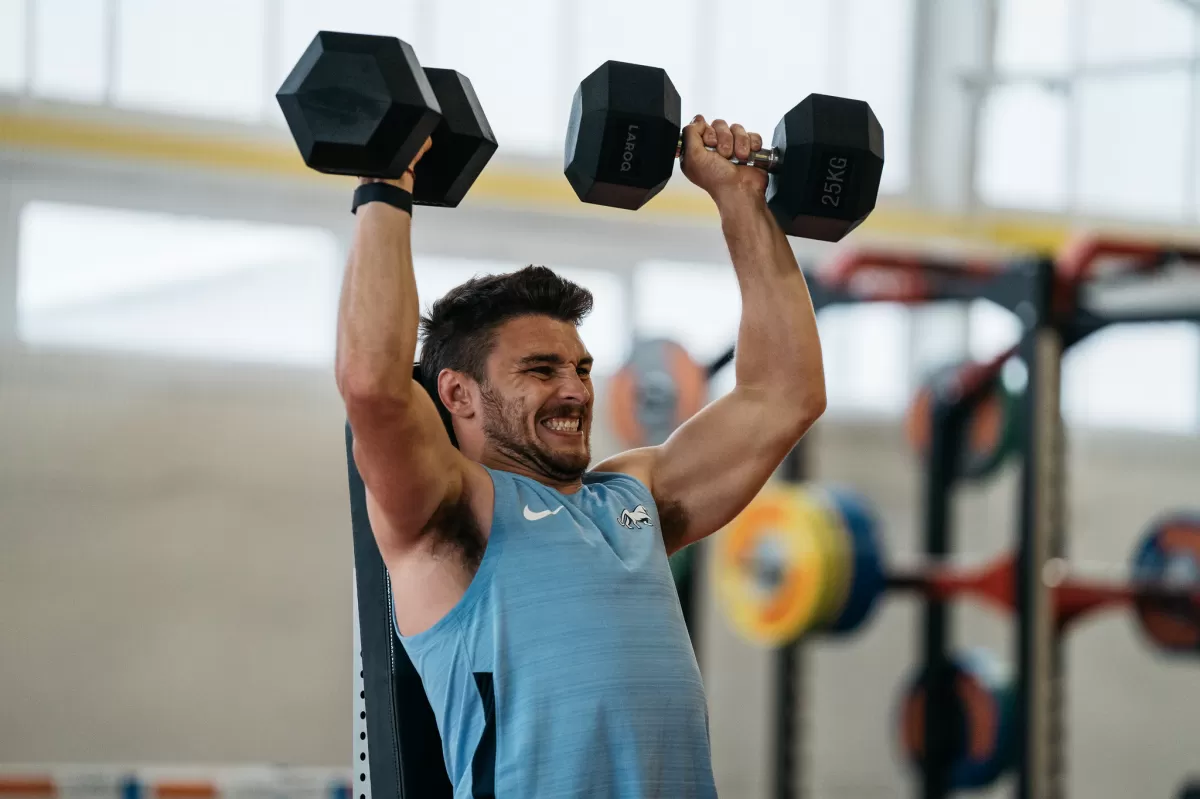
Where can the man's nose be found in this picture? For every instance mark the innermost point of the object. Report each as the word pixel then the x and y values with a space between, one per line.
pixel 573 388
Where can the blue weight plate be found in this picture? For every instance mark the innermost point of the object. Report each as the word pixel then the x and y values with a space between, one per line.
pixel 995 724
pixel 1169 554
pixel 983 715
pixel 867 576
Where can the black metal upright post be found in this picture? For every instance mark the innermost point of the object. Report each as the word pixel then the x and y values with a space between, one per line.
pixel 949 413
pixel 789 676
pixel 400 739
pixel 1041 537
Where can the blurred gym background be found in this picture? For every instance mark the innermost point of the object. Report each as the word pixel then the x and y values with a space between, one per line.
pixel 175 560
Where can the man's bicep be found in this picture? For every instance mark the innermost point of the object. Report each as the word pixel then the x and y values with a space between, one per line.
pixel 717 461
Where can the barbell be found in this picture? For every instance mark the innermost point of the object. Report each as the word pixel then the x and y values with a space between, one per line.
pixel 801 560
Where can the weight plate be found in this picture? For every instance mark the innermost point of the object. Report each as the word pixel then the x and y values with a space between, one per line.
pixel 867 579
pixel 836 543
pixel 991 432
pixel 657 389
pixel 982 714
pixel 1169 553
pixel 769 567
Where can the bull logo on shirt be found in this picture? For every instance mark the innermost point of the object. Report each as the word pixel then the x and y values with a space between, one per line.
pixel 636 518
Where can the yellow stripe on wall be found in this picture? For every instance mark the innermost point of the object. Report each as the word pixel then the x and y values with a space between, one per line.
pixel 498 185
pixel 87 137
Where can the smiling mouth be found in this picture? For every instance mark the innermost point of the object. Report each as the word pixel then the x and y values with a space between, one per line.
pixel 562 424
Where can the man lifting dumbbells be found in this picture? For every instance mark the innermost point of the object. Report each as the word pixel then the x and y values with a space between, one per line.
pixel 533 595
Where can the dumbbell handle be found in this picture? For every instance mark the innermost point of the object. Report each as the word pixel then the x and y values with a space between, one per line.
pixel 768 160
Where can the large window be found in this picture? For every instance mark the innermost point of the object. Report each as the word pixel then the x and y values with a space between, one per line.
pixel 202 57
pixel 855 48
pixel 1118 32
pixel 1023 148
pixel 14 26
pixel 69 48
pixel 510 51
pixel 1095 110
pixel 1033 35
pixel 513 52
pixel 227 58
pixel 132 281
pixel 1133 146
pixel 877 59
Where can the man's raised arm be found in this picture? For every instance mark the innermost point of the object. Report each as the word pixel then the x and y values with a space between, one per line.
pixel 379 312
pixel 718 460
pixel 407 462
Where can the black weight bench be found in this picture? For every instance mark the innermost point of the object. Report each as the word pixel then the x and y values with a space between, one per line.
pixel 398 751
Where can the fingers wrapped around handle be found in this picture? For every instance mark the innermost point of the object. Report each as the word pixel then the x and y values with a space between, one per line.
pixel 697 136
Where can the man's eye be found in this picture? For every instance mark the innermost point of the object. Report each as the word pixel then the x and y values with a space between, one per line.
pixel 543 370
pixel 584 372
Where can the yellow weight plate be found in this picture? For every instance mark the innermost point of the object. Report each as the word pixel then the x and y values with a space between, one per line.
pixel 839 564
pixel 769 568
pixel 812 516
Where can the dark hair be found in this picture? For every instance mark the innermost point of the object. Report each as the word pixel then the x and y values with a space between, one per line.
pixel 457 332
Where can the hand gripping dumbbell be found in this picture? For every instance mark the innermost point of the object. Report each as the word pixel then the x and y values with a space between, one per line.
pixel 624 134
pixel 363 105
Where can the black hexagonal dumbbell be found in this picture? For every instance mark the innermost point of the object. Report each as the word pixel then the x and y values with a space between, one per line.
pixel 362 105
pixel 623 137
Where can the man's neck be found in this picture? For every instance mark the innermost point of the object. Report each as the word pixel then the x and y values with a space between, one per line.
pixel 504 463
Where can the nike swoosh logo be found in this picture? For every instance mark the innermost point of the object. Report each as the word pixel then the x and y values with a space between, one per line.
pixel 534 515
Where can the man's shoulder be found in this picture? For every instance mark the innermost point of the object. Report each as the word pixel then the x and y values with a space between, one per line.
pixel 597 478
pixel 634 464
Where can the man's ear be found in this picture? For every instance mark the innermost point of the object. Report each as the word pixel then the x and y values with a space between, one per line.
pixel 457 392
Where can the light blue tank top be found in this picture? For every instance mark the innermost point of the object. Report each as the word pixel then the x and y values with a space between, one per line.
pixel 566 669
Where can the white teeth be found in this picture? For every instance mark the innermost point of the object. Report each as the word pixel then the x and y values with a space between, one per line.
pixel 563 425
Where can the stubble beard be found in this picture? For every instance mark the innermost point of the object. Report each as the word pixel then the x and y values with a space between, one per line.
pixel 504 429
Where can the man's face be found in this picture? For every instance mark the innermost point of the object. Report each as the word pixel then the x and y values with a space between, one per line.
pixel 538 397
